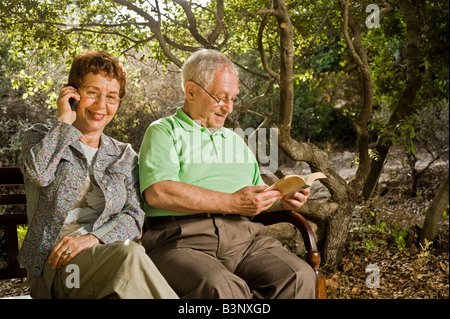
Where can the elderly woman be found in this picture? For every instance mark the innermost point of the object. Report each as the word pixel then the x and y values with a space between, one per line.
pixel 83 201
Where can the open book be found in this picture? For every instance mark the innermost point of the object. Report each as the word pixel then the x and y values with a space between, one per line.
pixel 290 184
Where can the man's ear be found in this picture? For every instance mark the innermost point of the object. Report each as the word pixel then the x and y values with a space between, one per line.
pixel 190 90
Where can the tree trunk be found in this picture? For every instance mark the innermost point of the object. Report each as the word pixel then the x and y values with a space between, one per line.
pixel 435 212
pixel 335 218
pixel 359 54
pixel 405 104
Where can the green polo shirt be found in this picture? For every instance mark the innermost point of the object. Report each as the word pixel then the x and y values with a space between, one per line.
pixel 176 148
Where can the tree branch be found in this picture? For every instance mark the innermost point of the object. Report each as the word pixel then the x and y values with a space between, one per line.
pixel 155 27
pixel 212 38
pixel 263 24
pixel 193 24
pixel 308 49
pixel 264 76
pixel 351 47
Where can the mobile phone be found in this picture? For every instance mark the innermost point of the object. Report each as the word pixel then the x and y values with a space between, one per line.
pixel 73 103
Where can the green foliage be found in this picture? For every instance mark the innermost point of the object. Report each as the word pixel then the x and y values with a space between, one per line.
pixel 400 236
pixel 21 233
pixel 326 57
pixel 425 251
pixel 17 114
pixel 310 117
pixel 327 96
pixel 370 237
pixel 316 120
pixel 386 47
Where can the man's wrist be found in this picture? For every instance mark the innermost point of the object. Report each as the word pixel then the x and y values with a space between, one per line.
pixel 277 206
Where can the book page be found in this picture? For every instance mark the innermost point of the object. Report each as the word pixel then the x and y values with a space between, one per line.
pixel 290 184
pixel 311 178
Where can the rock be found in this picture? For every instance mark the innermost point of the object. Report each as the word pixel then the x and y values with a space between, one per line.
pixel 290 236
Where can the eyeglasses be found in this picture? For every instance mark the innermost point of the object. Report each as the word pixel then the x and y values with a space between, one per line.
pixel 236 101
pixel 110 98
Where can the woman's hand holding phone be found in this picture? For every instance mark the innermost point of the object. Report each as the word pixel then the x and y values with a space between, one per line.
pixel 67 103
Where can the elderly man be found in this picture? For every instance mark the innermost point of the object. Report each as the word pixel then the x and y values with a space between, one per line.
pixel 201 186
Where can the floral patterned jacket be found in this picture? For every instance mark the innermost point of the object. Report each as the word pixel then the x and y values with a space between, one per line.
pixel 55 168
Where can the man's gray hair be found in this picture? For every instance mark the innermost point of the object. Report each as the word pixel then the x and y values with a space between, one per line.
pixel 202 65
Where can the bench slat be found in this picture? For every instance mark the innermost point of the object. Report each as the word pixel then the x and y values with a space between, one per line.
pixel 13 219
pixel 11 176
pixel 13 199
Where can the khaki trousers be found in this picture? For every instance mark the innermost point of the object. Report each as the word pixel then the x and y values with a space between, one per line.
pixel 117 270
pixel 226 257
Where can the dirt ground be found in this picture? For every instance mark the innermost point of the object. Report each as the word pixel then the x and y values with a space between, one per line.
pixel 383 259
pixel 384 242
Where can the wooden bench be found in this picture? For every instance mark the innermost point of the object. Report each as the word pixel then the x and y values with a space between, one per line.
pixel 312 255
pixel 12 176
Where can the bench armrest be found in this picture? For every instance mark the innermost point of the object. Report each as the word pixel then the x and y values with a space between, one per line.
pixel 312 256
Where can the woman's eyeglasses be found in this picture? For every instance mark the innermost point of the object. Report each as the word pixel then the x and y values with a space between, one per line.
pixel 93 94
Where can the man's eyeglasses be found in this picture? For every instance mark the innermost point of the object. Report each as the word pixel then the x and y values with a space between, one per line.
pixel 93 94
pixel 236 101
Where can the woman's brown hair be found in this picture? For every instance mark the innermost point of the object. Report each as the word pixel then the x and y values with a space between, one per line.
pixel 97 62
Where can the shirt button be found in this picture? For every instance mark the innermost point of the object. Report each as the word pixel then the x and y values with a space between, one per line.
pixel 104 181
pixel 109 188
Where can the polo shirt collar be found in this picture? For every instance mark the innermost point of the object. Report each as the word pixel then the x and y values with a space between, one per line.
pixel 190 125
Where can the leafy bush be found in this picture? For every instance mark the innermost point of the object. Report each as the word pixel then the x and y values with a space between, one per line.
pixel 21 233
pixel 371 237
pixel 319 121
